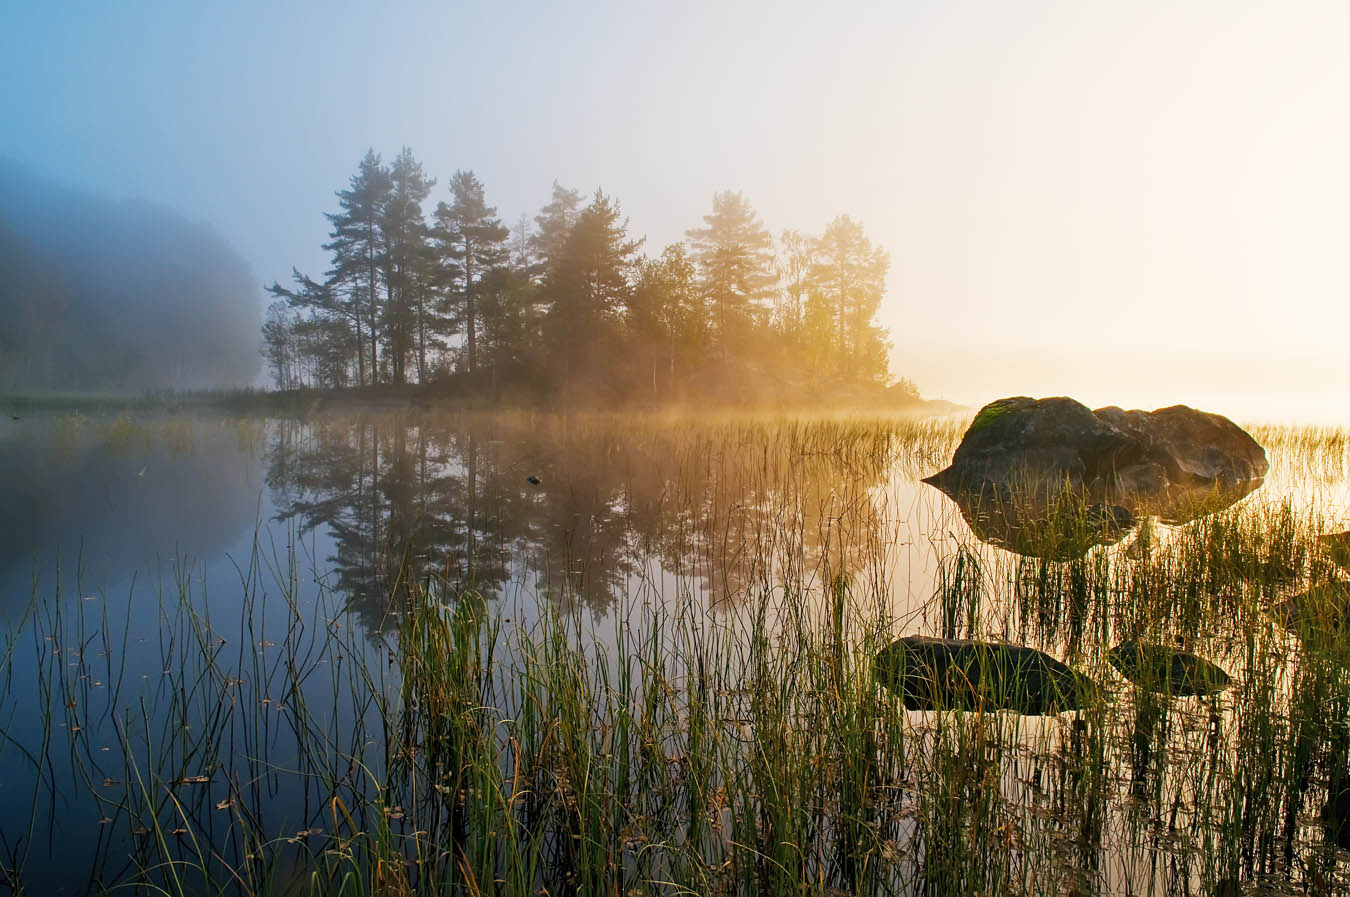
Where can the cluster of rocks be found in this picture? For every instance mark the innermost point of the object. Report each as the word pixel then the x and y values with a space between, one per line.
pixel 1050 477
pixel 965 674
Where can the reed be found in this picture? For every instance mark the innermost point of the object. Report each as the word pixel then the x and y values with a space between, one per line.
pixel 731 739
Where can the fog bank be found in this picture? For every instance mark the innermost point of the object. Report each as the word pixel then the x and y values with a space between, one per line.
pixel 102 295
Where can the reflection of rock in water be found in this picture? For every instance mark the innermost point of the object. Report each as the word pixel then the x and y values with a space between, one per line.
pixel 1050 478
pixel 1169 671
pixel 961 674
pixel 1059 530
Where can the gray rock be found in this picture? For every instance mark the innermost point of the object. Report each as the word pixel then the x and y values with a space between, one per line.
pixel 1037 458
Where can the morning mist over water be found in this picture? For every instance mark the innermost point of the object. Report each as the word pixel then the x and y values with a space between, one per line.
pixel 117 296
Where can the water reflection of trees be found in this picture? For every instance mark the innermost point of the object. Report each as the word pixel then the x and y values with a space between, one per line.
pixel 617 502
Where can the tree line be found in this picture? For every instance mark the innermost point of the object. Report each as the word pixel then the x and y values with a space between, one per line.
pixel 568 302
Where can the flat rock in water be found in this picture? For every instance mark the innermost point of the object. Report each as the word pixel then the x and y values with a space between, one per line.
pixel 963 674
pixel 1034 465
pixel 1164 670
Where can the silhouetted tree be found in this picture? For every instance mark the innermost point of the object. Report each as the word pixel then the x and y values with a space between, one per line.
pixel 666 317
pixel 569 301
pixel 848 275
pixel 794 265
pixel 324 342
pixel 552 225
pixel 358 247
pixel 588 286
pixel 511 322
pixel 407 265
pixel 472 241
pixel 278 345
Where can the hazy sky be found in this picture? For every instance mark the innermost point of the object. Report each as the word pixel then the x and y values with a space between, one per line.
pixel 1138 203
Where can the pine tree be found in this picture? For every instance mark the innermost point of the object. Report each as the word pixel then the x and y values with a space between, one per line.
pixel 734 255
pixel 326 336
pixel 473 241
pixel 552 226
pixel 666 317
pixel 406 263
pixel 849 277
pixel 358 247
pixel 589 285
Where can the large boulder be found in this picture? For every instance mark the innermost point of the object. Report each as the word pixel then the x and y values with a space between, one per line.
pixel 1185 448
pixel 1024 459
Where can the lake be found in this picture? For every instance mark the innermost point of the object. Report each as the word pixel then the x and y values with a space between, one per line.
pixel 403 652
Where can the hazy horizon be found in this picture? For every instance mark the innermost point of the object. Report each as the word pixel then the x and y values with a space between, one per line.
pixel 1137 205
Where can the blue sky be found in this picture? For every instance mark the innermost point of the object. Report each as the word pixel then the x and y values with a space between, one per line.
pixel 1116 200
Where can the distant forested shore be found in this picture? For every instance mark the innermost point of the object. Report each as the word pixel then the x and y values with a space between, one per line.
pixel 567 308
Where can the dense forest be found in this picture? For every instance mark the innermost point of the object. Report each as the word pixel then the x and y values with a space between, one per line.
pixel 568 306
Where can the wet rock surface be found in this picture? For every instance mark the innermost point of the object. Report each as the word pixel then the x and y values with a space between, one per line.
pixel 965 674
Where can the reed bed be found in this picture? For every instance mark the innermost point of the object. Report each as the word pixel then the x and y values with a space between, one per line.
pixel 718 730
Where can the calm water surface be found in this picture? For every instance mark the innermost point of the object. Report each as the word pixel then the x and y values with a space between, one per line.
pixel 108 520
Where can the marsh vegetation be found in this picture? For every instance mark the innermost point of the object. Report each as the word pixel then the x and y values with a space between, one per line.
pixel 526 653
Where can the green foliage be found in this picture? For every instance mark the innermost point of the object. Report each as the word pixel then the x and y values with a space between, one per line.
pixel 570 309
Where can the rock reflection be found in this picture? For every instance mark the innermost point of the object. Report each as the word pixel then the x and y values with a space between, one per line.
pixel 1168 671
pixel 1058 529
pixel 1063 526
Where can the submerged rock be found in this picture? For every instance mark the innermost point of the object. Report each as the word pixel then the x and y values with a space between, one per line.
pixel 1028 467
pixel 1336 812
pixel 1337 547
pixel 962 674
pixel 1319 613
pixel 1170 671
